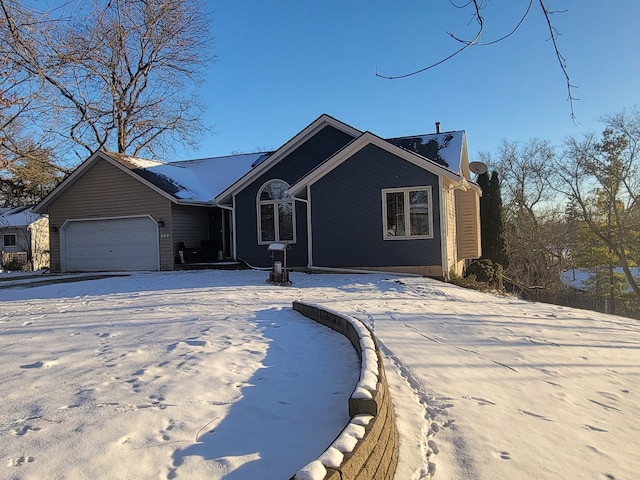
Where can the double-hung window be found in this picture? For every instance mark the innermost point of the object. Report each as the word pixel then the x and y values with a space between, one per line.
pixel 407 213
pixel 275 213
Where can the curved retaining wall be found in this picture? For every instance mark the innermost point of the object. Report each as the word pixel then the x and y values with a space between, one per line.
pixel 367 448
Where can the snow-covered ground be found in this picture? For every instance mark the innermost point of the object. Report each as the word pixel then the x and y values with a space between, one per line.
pixel 211 375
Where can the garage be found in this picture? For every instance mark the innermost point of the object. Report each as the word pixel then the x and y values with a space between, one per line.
pixel 111 244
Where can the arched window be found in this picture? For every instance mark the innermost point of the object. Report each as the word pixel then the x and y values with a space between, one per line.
pixel 275 213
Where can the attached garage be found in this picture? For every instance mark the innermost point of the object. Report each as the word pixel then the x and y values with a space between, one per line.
pixel 109 244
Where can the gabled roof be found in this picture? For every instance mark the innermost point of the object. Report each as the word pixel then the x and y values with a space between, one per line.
pixel 17 217
pixel 445 148
pixel 210 181
pixel 313 128
pixel 185 182
pixel 193 180
pixel 358 144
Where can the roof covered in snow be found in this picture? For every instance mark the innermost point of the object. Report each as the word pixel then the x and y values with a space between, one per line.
pixel 585 280
pixel 203 179
pixel 193 180
pixel 17 217
pixel 444 148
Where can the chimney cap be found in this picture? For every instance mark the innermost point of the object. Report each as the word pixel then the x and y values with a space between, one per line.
pixel 437 127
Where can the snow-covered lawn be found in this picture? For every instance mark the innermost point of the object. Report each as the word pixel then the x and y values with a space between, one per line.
pixel 211 375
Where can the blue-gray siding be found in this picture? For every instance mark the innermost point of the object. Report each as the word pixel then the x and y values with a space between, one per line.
pixel 291 168
pixel 346 209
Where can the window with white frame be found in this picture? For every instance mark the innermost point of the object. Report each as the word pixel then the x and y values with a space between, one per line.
pixel 407 213
pixel 275 213
pixel 9 240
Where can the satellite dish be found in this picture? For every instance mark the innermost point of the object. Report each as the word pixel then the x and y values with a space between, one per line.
pixel 478 168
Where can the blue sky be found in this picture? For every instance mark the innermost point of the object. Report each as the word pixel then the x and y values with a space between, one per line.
pixel 282 63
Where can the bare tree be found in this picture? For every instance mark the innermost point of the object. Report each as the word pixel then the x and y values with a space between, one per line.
pixel 477 17
pixel 534 230
pixel 14 103
pixel 601 178
pixel 119 75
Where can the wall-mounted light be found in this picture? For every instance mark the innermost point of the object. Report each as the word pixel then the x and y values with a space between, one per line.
pixel 54 229
pixel 161 223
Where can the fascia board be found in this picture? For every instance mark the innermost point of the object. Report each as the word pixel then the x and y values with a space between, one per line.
pixel 192 203
pixel 283 151
pixel 358 144
pixel 86 165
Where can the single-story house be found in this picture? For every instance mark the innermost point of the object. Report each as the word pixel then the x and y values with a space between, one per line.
pixel 25 239
pixel 338 197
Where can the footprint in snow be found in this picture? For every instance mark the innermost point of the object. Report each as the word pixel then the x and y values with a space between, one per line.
pixel 535 415
pixel 18 432
pixel 433 446
pixel 40 364
pixel 553 384
pixel 595 429
pixel 16 462
pixel 605 406
pixel 480 401
pixel 505 455
pixel 33 365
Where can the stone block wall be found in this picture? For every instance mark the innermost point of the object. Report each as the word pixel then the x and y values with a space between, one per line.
pixel 367 448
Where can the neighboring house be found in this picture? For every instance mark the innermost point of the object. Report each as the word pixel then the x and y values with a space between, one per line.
pixel 25 239
pixel 338 197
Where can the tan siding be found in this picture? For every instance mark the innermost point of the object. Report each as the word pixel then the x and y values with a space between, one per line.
pixel 468 223
pixel 451 245
pixel 105 191
pixel 190 225
pixel 40 243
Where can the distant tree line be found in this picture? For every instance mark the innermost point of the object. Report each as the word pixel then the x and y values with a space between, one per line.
pixel 568 208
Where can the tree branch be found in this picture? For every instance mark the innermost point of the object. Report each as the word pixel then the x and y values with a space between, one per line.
pixel 561 60
pixel 466 45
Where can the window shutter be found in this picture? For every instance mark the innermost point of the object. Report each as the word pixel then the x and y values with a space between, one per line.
pixel 468 223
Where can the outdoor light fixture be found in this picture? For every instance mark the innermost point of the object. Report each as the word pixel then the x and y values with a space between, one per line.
pixel 161 223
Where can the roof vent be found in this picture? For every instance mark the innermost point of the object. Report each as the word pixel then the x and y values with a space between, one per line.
pixel 437 127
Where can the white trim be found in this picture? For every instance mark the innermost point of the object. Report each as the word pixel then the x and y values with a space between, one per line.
pixel 358 144
pixel 90 162
pixel 407 213
pixel 309 229
pixel 444 226
pixel 313 128
pixel 276 217
pixel 234 234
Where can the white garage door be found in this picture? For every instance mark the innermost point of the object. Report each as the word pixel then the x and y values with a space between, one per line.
pixel 113 244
